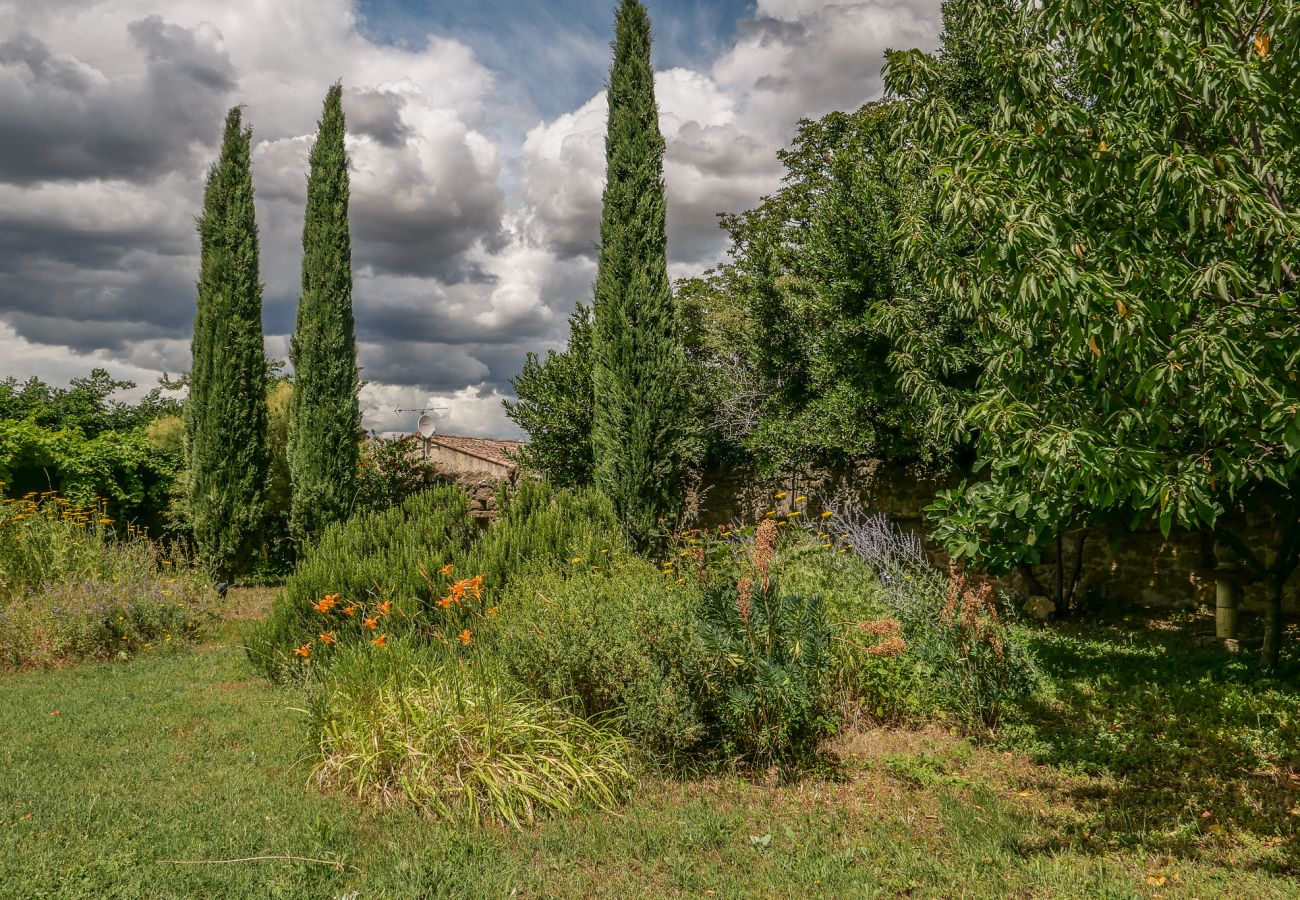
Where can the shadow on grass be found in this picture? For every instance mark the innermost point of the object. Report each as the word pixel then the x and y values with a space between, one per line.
pixel 1192 746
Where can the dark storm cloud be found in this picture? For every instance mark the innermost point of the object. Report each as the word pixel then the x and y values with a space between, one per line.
pixel 62 119
pixel 430 367
pixel 376 114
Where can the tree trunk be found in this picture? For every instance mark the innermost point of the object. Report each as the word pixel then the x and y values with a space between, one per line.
pixel 1268 653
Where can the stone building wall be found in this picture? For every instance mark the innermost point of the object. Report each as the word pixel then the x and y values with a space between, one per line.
pixel 1142 566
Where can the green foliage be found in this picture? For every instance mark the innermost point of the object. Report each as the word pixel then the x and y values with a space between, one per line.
pixel 554 407
pixel 821 338
pixel 1133 280
pixel 539 529
pixel 86 404
pixel 325 422
pixel 619 642
pixel 371 558
pixel 394 724
pixel 770 666
pixel 639 422
pixel 388 472
pixel 85 445
pixel 70 591
pixel 953 630
pixel 226 410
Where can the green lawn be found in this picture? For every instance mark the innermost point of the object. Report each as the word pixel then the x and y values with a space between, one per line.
pixel 110 773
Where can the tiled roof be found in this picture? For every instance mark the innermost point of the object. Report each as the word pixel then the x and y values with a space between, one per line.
pixel 490 449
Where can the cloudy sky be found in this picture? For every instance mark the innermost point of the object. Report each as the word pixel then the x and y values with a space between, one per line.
pixel 476 139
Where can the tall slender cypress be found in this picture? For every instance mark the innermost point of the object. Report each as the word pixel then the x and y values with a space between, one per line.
pixel 640 402
pixel 325 419
pixel 226 410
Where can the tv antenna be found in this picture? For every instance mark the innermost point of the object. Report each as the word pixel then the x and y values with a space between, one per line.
pixel 425 424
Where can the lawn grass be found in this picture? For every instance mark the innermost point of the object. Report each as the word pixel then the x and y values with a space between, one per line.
pixel 188 756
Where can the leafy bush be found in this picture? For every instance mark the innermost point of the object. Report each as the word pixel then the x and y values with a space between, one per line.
pixel 540 528
pixel 623 643
pixel 70 590
pixel 373 558
pixel 397 724
pixel 951 627
pixel 770 664
pixel 388 472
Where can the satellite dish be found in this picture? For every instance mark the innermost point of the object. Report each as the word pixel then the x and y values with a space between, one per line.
pixel 425 426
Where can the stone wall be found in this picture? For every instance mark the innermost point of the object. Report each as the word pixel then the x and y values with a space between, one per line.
pixel 1141 566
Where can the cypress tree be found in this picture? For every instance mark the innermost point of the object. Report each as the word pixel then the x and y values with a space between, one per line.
pixel 638 378
pixel 226 410
pixel 325 420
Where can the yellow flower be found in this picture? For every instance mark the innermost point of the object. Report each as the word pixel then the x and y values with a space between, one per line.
pixel 801 499
pixel 791 515
pixel 826 514
pixel 781 495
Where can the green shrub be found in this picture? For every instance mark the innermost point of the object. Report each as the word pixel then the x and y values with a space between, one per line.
pixel 71 590
pixel 372 558
pixel 543 528
pixel 400 725
pixel 969 662
pixel 770 673
pixel 624 643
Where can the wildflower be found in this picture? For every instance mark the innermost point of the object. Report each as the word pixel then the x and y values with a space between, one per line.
pixel 350 610
pixel 332 598
pixel 745 597
pixel 792 514
pixel 889 647
pixel 324 606
pixel 465 636
pixel 371 623
pixel 386 606
pixel 446 601
pixel 801 499
pixel 381 641
pixel 327 638
pixel 304 651
pixel 826 514
pixel 447 569
pixel 104 520
pixel 781 495
pixel 475 584
pixel 576 560
pixel 493 611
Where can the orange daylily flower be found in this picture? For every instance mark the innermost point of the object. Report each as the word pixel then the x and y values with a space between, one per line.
pixel 350 610
pixel 371 623
pixel 447 569
pixel 304 651
pixel 465 636
pixel 327 638
pixel 381 641
pixel 446 602
pixel 386 606
pixel 325 605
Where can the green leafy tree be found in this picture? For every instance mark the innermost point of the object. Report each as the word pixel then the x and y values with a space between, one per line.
pixel 819 339
pixel 325 418
pixel 225 414
pixel 1134 283
pixel 554 407
pixel 639 422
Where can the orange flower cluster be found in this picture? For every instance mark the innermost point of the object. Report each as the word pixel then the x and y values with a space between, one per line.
pixel 462 590
pixel 328 604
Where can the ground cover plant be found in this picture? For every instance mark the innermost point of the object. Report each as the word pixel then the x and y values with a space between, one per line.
pixel 112 773
pixel 71 589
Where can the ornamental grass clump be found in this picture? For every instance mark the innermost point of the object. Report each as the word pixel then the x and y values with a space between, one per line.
pixel 402 726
